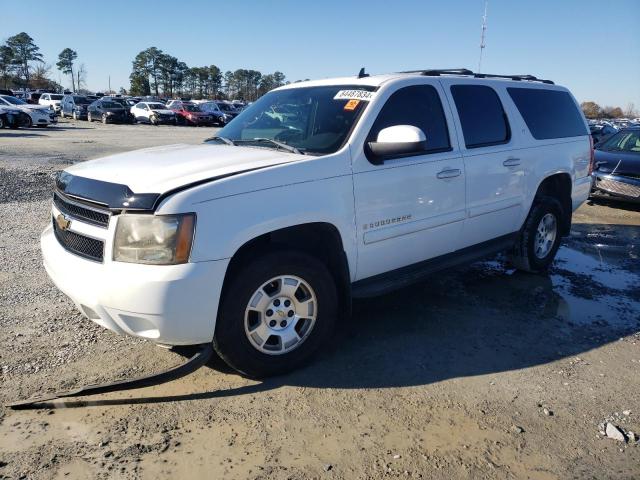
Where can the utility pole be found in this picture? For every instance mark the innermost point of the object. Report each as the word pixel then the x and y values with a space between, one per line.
pixel 109 84
pixel 484 29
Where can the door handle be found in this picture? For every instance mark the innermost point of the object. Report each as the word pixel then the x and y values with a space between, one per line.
pixel 511 162
pixel 449 173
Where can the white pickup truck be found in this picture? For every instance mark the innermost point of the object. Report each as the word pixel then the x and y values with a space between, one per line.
pixel 319 192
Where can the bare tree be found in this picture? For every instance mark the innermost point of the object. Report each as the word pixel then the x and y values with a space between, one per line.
pixel 82 76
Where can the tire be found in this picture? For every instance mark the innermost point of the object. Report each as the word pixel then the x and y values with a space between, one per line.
pixel 534 252
pixel 233 339
pixel 154 120
pixel 2 125
pixel 61 113
pixel 75 115
pixel 89 117
pixel 104 118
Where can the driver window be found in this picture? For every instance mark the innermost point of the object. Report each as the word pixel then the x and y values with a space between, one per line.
pixel 418 106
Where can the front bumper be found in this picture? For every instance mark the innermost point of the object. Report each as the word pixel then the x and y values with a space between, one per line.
pixel 618 186
pixel 169 305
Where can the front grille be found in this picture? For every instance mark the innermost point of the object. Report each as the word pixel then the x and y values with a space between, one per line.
pixel 89 215
pixel 620 188
pixel 79 244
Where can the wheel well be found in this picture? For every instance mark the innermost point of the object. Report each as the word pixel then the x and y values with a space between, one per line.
pixel 322 240
pixel 559 186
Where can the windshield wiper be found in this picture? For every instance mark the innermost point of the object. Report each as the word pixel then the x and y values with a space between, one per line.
pixel 222 139
pixel 278 144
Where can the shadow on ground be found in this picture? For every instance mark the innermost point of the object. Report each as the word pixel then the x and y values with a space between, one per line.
pixel 477 320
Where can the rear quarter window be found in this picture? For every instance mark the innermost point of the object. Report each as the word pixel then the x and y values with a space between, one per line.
pixel 548 113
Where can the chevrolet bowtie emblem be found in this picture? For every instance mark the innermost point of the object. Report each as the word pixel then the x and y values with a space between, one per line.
pixel 63 222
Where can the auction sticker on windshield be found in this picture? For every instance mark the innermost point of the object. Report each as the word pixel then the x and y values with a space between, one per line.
pixel 364 95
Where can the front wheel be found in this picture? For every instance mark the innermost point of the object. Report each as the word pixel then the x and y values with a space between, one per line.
pixel 89 117
pixel 61 113
pixel 275 314
pixel 104 118
pixel 75 115
pixel 540 237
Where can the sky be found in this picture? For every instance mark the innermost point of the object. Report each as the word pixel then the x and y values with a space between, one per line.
pixel 592 47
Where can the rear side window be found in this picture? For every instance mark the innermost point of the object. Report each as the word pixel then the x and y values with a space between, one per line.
pixel 419 106
pixel 548 113
pixel 483 120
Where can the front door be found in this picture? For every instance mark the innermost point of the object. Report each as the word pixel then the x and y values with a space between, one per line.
pixel 410 208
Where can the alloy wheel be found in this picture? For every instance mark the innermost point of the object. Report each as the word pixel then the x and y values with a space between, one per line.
pixel 280 315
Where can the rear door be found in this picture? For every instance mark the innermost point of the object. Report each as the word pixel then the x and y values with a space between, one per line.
pixel 495 171
pixel 410 208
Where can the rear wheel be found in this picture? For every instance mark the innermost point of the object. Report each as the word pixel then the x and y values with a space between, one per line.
pixel 275 314
pixel 540 237
pixel 104 118
pixel 89 117
pixel 61 113
pixel 75 115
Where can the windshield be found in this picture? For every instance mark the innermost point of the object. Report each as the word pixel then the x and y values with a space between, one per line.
pixel 309 118
pixel 191 108
pixel 56 97
pixel 156 106
pixel 81 100
pixel 628 141
pixel 13 100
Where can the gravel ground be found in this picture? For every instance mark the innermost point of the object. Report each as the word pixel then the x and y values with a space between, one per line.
pixel 479 373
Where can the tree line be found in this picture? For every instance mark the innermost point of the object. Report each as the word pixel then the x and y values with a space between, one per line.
pixel 22 66
pixel 592 110
pixel 155 72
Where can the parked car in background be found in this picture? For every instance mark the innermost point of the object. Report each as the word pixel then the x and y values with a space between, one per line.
pixel 6 92
pixel 32 97
pixel 51 100
pixel 75 106
pixel 38 115
pixel 617 166
pixel 190 114
pixel 108 111
pixel 12 118
pixel 228 110
pixel 601 132
pixel 154 113
pixel 213 109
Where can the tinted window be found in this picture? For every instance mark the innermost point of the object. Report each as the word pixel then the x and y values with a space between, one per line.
pixel 481 114
pixel 419 106
pixel 548 113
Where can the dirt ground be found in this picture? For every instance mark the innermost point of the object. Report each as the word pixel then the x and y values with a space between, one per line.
pixel 479 373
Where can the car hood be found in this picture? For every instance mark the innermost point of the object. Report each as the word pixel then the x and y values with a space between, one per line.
pixel 163 111
pixel 29 107
pixel 623 163
pixel 166 168
pixel 114 110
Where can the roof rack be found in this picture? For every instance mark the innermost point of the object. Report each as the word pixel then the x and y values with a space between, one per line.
pixel 468 73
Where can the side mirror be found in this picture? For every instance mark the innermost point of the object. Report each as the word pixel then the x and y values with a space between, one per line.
pixel 399 140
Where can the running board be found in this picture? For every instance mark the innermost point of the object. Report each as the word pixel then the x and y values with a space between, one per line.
pixel 194 363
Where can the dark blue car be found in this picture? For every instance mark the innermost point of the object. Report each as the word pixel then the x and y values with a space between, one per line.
pixel 617 166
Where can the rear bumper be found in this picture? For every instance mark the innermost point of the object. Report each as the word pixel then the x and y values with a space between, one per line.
pixel 170 305
pixel 618 186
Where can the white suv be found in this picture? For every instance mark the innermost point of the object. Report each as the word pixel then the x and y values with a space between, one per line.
pixel 51 100
pixel 319 192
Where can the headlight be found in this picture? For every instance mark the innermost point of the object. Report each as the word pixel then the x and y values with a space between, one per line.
pixel 154 239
